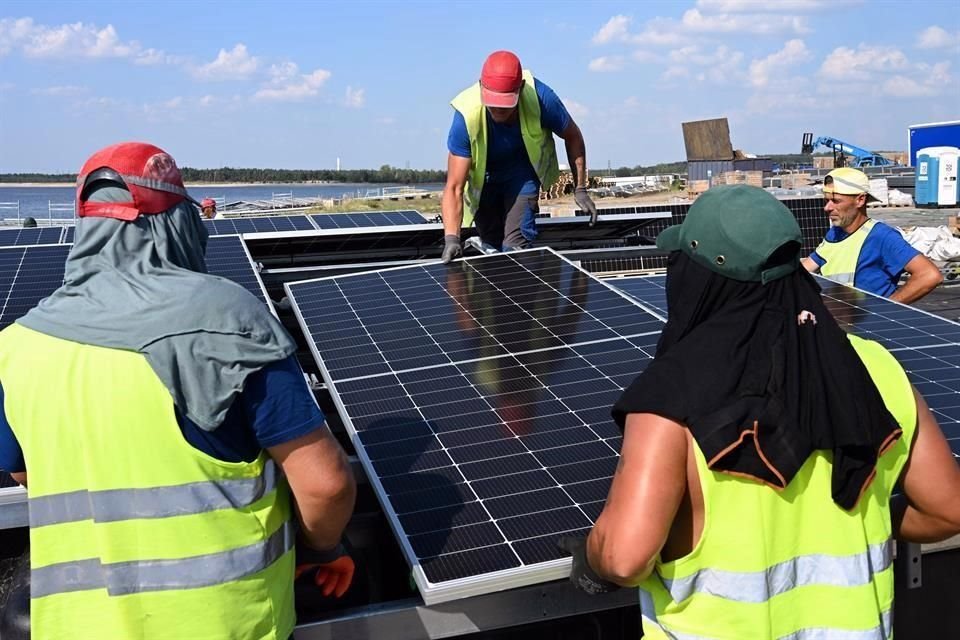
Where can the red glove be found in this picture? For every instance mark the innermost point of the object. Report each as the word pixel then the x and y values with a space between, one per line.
pixel 333 568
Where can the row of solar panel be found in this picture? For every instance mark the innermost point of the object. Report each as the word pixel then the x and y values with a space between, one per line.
pixel 478 396
pixel 313 222
pixel 29 274
pixel 228 226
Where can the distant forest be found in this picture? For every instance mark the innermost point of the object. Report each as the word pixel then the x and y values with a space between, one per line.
pixel 386 173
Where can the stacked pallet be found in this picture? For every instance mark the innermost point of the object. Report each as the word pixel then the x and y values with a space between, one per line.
pixel 752 178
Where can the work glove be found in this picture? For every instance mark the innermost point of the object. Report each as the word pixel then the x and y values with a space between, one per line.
pixel 585 202
pixel 332 569
pixel 451 248
pixel 581 575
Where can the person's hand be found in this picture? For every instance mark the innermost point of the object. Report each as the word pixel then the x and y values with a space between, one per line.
pixel 585 202
pixel 332 569
pixel 451 248
pixel 581 575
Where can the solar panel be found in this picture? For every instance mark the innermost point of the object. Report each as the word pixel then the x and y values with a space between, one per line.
pixel 478 397
pixel 264 224
pixel 367 219
pixel 27 275
pixel 68 235
pixel 228 257
pixel 31 236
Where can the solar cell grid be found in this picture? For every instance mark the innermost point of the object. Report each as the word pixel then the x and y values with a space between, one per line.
pixel 479 396
pixel 30 236
pixel 27 275
pixel 367 219
pixel 225 226
pixel 227 257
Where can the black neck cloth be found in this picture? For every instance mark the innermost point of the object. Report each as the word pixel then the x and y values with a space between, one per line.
pixel 758 390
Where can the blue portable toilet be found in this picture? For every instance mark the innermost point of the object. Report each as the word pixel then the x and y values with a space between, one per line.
pixel 925 182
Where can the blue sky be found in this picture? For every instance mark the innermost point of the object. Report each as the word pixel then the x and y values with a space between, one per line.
pixel 298 84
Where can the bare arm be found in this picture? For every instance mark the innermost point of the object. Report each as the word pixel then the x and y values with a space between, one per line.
pixel 810 265
pixel 644 497
pixel 929 508
pixel 924 277
pixel 20 477
pixel 451 206
pixel 576 153
pixel 322 484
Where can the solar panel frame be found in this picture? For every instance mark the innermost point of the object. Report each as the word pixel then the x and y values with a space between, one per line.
pixel 362 219
pixel 259 224
pixel 467 531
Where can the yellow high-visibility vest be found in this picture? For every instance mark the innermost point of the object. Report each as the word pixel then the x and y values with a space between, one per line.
pixel 134 533
pixel 789 564
pixel 841 257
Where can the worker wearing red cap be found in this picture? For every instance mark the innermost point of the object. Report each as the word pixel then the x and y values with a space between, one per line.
pixel 151 405
pixel 502 152
pixel 208 206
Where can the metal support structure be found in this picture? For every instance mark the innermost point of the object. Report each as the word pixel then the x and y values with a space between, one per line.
pixel 412 620
pixel 911 552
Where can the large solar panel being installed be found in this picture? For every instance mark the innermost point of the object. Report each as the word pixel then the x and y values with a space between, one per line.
pixel 31 236
pixel 478 396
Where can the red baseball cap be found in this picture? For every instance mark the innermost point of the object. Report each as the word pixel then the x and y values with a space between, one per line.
pixel 149 174
pixel 500 80
pixel 208 202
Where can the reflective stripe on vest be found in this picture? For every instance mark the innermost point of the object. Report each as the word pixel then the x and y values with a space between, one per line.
pixel 882 631
pixel 155 502
pixel 538 142
pixel 802 571
pixel 124 578
pixel 842 257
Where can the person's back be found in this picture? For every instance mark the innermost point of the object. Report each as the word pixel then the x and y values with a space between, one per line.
pixel 121 505
pixel 759 563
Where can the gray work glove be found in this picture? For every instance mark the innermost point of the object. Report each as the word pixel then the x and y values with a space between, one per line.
pixel 581 575
pixel 583 200
pixel 451 248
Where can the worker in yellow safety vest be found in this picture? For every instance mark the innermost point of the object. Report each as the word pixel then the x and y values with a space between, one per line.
pixel 864 252
pixel 160 421
pixel 501 153
pixel 761 447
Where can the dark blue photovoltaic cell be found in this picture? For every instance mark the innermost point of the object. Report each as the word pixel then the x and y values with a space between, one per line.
pixel 480 393
pixel 935 372
pixel 367 219
pixel 27 275
pixel 227 226
pixel 31 236
pixel 226 257
pixel 650 290
pixel 68 235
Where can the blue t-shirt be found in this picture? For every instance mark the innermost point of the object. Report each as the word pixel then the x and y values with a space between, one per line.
pixel 276 406
pixel 882 258
pixel 507 161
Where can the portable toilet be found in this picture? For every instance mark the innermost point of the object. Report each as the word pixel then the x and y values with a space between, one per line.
pixel 925 181
pixel 940 186
pixel 947 178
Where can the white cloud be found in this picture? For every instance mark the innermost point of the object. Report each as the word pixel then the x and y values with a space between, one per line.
pixel 354 98
pixel 76 40
pixel 207 101
pixel 937 38
pixel 386 120
pixel 676 72
pixel 229 65
pixel 720 66
pixel 606 64
pixel 844 63
pixel 60 91
pixel 644 56
pixel 695 21
pixel 614 30
pixel 576 109
pixel 793 52
pixel 289 85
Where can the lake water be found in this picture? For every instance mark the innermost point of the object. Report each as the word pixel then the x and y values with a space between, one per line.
pixel 38 201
